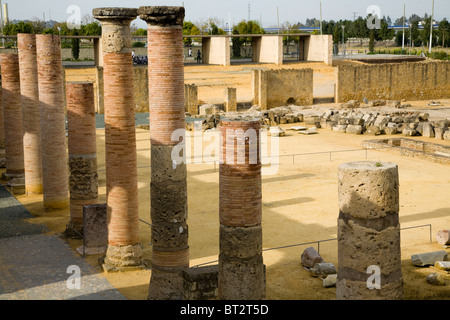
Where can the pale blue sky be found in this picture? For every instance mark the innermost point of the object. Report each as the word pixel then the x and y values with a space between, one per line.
pixel 266 10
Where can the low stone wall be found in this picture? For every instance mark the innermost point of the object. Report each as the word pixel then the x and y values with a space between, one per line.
pixel 275 88
pixel 395 81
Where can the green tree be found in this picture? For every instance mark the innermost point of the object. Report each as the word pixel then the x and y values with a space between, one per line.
pixel 92 29
pixel 444 33
pixel 75 45
pixel 372 41
pixel 189 29
pixel 425 33
pixel 245 27
pixel 11 29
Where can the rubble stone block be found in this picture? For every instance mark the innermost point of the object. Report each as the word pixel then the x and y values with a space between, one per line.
pixel 323 269
pixel 428 259
pixel 310 257
pixel 201 283
pixel 95 225
pixel 443 237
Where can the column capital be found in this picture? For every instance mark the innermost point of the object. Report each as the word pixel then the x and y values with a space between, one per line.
pixel 162 16
pixel 126 14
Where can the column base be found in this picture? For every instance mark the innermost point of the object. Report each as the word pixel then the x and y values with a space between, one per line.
pixel 123 258
pixel 34 189
pixel 166 285
pixel 55 205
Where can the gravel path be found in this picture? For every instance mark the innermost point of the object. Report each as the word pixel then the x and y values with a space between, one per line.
pixel 36 266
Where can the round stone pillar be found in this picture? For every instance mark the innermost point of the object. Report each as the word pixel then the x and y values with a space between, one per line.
pixel 124 250
pixel 83 181
pixel 369 256
pixel 168 177
pixel 29 89
pixel 12 116
pixel 241 268
pixel 53 126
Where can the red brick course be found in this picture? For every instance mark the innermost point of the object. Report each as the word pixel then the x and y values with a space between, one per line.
pixel 12 114
pixel 29 89
pixel 53 129
pixel 166 83
pixel 82 149
pixel 120 148
pixel 240 184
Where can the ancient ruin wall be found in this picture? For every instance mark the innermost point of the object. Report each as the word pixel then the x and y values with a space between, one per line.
pixel 394 81
pixel 275 88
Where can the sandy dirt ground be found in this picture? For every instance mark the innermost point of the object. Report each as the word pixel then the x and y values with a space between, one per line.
pixel 300 202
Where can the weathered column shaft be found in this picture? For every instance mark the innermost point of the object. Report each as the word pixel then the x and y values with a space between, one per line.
pixel 241 268
pixel 369 232
pixel 230 98
pixel 124 250
pixel 29 89
pixel 83 181
pixel 12 115
pixel 53 128
pixel 168 179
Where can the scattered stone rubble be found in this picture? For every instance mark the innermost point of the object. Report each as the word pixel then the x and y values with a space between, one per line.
pixel 312 261
pixel 437 261
pixel 351 117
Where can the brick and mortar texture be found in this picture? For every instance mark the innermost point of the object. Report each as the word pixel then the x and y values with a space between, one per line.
pixel 168 186
pixel 368 231
pixel 83 180
pixel 241 268
pixel 53 129
pixel 12 115
pixel 394 81
pixel 29 89
pixel 124 250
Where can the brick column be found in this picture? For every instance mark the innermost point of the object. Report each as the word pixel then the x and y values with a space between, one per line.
pixel 83 181
pixel 29 89
pixel 53 127
pixel 2 134
pixel 369 232
pixel 241 268
pixel 124 250
pixel 168 180
pixel 12 116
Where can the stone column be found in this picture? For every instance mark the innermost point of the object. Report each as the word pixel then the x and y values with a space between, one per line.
pixel 83 181
pixel 124 250
pixel 369 232
pixel 241 268
pixel 29 89
pixel 53 127
pixel 230 96
pixel 191 99
pixel 168 178
pixel 12 116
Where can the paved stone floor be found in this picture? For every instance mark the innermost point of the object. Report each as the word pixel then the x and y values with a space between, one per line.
pixel 36 266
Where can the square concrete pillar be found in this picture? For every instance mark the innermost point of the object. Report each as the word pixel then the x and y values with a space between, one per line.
pixel 216 50
pixel 268 49
pixel 319 48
